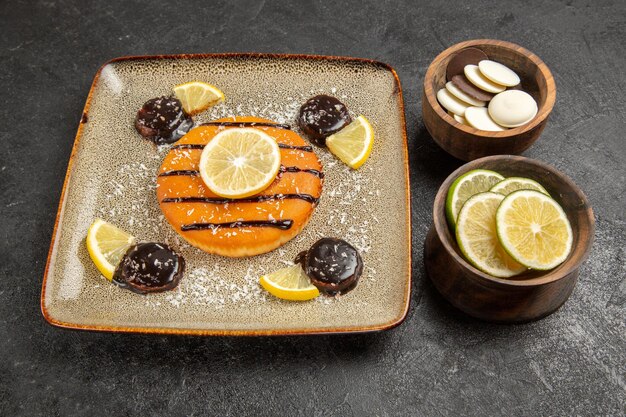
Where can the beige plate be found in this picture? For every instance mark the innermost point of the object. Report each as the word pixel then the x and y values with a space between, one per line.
pixel 112 175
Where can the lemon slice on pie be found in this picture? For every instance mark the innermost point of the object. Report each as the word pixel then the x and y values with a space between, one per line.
pixel 197 96
pixel 107 245
pixel 353 144
pixel 534 229
pixel 240 162
pixel 290 283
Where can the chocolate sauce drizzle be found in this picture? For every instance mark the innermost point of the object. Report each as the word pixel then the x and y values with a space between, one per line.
pixel 299 148
pixel 258 199
pixel 315 172
pixel 280 145
pixel 189 146
pixel 181 172
pixel 279 224
pixel 194 173
pixel 248 124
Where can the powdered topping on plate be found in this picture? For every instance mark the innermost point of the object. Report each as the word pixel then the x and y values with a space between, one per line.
pixel 209 279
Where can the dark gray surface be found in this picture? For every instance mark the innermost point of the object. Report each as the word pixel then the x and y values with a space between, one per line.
pixel 438 362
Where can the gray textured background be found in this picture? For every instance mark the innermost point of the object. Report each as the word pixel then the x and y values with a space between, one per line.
pixel 439 362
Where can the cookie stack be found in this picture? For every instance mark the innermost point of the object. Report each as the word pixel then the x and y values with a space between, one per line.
pixel 485 94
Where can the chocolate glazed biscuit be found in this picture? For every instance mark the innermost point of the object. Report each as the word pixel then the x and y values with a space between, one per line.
pixel 163 120
pixel 321 116
pixel 333 265
pixel 149 267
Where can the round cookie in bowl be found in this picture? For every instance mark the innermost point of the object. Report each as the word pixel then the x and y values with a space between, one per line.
pixel 466 142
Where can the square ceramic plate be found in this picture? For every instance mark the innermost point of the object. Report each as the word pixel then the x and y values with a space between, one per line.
pixel 112 175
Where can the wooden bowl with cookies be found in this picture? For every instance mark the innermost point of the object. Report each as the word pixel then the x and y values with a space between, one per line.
pixel 498 81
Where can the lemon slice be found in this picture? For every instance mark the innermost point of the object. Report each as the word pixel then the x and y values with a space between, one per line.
pixel 197 96
pixel 534 229
pixel 478 239
pixel 467 185
pixel 240 162
pixel 511 184
pixel 353 144
pixel 107 245
pixel 290 283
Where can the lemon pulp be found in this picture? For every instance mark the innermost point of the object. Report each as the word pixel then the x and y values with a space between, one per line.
pixel 240 162
pixel 106 245
pixel 197 96
pixel 534 229
pixel 290 283
pixel 353 144
pixel 478 239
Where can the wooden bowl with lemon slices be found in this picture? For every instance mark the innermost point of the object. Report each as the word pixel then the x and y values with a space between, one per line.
pixel 525 297
pixel 467 143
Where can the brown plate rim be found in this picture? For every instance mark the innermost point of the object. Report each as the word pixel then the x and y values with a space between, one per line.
pixel 215 332
pixel 541 116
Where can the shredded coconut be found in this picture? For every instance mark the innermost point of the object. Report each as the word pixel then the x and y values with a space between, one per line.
pixel 209 279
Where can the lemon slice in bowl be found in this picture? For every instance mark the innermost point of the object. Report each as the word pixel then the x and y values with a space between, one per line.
pixel 534 229
pixel 197 96
pixel 477 236
pixel 290 283
pixel 511 184
pixel 106 245
pixel 240 162
pixel 353 144
pixel 464 187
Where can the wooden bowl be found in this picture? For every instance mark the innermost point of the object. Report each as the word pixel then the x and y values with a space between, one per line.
pixel 467 143
pixel 526 297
